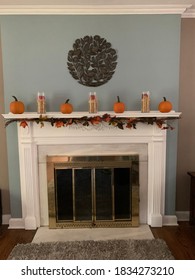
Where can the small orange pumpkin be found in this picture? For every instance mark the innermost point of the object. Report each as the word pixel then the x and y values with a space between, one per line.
pixel 16 107
pixel 119 107
pixel 66 108
pixel 165 106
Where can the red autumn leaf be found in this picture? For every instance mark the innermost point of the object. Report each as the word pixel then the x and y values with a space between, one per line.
pixel 107 118
pixel 159 124
pixel 95 120
pixel 69 122
pixel 59 124
pixel 23 124
pixel 129 125
pixel 131 120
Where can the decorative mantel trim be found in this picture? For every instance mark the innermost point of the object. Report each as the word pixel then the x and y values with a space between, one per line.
pixel 94 9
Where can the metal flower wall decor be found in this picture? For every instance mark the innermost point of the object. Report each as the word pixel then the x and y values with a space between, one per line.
pixel 92 61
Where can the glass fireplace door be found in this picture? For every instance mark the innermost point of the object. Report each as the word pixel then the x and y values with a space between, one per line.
pixel 94 196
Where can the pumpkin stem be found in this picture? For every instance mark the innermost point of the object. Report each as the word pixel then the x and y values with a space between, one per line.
pixel 164 98
pixel 15 98
pixel 67 101
pixel 118 99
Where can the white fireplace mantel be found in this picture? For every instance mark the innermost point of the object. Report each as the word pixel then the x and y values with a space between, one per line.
pixel 33 137
pixel 127 114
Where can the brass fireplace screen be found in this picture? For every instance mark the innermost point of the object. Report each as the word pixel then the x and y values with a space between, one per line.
pixel 93 191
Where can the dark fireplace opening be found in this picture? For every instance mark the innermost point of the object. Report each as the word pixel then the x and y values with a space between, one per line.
pixel 93 191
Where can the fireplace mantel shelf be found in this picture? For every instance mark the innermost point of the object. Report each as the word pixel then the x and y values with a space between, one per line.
pixel 126 114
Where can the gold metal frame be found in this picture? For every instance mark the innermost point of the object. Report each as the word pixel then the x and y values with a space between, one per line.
pixel 93 162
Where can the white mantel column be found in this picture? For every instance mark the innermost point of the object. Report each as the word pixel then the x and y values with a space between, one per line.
pixel 29 178
pixel 156 182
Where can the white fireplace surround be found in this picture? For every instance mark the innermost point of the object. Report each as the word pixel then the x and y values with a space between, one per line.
pixel 35 143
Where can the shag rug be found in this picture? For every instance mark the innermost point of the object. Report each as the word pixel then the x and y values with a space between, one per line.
pixel 149 249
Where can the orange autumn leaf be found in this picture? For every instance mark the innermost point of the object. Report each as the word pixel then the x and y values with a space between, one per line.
pixel 23 124
pixel 95 120
pixel 131 120
pixel 59 124
pixel 129 125
pixel 107 119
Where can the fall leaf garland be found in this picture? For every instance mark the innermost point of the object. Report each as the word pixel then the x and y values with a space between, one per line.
pixel 119 122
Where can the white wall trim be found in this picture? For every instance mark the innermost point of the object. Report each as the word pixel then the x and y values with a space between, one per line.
pixel 91 9
pixel 5 219
pixel 183 215
pixel 170 220
pixel 189 14
pixel 16 223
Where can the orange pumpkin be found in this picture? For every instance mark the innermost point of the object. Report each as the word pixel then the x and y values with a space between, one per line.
pixel 66 108
pixel 165 106
pixel 119 107
pixel 16 107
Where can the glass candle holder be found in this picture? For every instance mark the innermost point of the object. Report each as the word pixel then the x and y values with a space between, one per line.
pixel 93 105
pixel 41 108
pixel 145 100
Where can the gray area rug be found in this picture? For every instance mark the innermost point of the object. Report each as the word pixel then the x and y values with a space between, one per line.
pixel 149 249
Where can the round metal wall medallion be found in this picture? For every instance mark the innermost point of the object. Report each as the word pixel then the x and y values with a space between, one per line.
pixel 92 61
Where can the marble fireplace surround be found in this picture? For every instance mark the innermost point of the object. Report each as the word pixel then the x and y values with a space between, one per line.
pixel 35 143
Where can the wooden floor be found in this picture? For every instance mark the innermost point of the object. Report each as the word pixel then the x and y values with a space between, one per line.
pixel 180 239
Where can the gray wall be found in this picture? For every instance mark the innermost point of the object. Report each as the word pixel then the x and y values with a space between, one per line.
pixel 35 48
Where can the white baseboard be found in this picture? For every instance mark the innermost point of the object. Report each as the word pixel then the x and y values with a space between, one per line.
pixel 16 223
pixel 5 219
pixel 183 215
pixel 170 220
